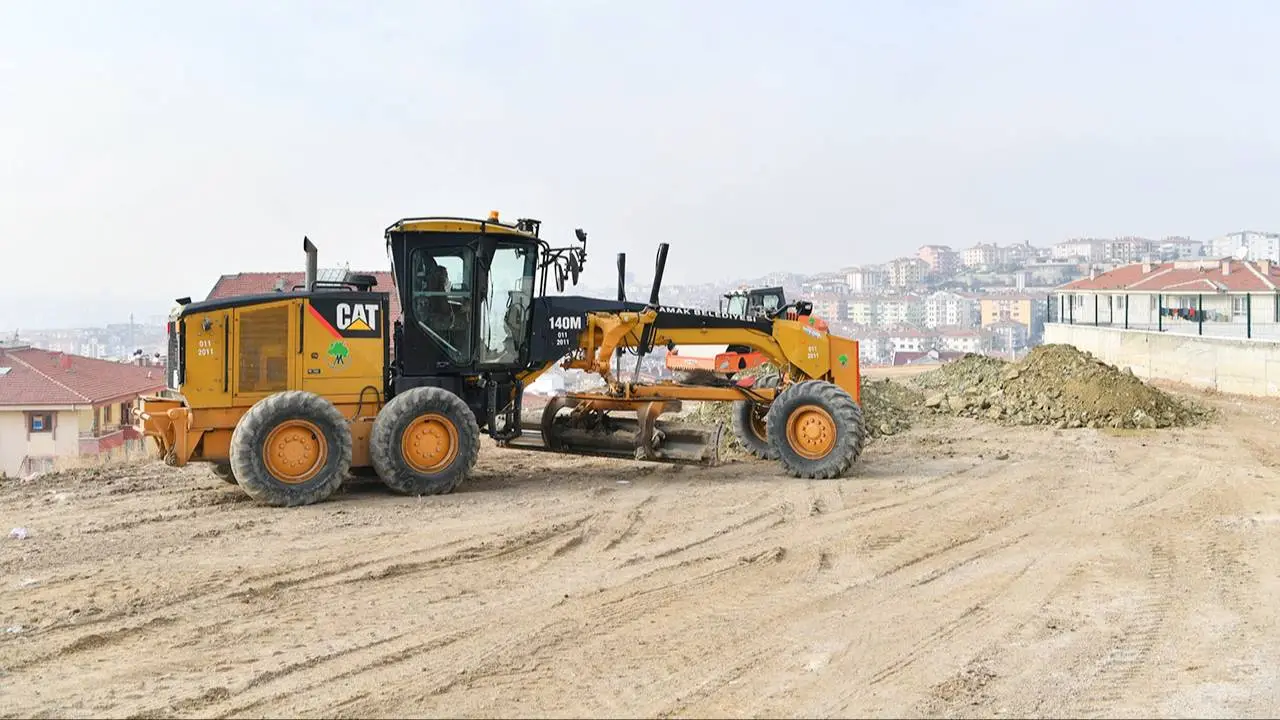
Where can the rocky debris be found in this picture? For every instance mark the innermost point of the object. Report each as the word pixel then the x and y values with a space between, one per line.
pixel 1055 385
pixel 888 408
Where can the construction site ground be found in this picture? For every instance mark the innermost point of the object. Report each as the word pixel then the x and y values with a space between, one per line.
pixel 967 569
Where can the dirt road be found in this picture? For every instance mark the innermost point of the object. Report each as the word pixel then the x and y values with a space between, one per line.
pixel 969 570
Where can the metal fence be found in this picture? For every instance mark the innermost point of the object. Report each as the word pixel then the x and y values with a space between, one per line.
pixel 1195 319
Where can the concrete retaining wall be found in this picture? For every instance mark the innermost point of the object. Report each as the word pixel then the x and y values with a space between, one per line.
pixel 1246 367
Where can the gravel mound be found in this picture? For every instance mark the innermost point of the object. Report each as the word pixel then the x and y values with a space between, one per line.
pixel 1056 385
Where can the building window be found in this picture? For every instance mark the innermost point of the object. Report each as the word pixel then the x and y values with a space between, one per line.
pixel 39 422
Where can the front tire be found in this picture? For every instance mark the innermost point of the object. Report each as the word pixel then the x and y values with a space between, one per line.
pixel 425 441
pixel 292 448
pixel 817 429
pixel 750 424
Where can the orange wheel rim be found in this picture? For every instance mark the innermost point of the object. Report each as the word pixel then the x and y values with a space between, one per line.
pixel 295 451
pixel 811 432
pixel 430 443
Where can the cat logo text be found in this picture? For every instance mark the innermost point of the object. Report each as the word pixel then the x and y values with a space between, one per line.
pixel 356 317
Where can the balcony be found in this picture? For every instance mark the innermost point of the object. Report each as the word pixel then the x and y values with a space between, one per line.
pixel 103 430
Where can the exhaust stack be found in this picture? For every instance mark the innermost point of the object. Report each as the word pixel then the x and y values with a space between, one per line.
pixel 310 249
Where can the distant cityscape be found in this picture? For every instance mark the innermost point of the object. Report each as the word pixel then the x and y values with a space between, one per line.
pixel 986 299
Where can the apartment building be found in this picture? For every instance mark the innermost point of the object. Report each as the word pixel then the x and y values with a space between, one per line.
pixel 899 310
pixel 944 308
pixel 1007 308
pixel 1255 245
pixel 941 259
pixel 831 307
pixel 865 280
pixel 1083 250
pixel 862 309
pixel 964 340
pixel 982 255
pixel 907 272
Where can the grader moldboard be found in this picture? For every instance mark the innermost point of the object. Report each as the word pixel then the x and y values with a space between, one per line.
pixel 289 393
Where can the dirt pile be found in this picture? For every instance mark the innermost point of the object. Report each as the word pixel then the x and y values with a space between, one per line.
pixel 889 407
pixel 1054 385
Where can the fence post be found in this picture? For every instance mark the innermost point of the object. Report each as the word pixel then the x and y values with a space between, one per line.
pixel 1248 315
pixel 1160 312
pixel 1200 314
pixel 1071 309
pixel 1126 311
pixel 1095 309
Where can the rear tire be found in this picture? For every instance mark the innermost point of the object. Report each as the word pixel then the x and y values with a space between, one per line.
pixel 817 430
pixel 292 448
pixel 425 441
pixel 750 424
pixel 224 473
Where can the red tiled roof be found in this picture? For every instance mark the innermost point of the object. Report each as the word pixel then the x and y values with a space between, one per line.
pixel 255 283
pixel 1169 277
pixel 43 377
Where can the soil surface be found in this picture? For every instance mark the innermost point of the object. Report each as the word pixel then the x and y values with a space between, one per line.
pixel 969 568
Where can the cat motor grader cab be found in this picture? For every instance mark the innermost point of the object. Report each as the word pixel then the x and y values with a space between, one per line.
pixel 730 359
pixel 289 393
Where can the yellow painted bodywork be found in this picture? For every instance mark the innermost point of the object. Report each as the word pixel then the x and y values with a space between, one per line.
pixel 799 349
pixel 237 356
pixel 455 225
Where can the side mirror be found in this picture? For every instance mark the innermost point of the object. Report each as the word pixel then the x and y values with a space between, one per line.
pixel 574 268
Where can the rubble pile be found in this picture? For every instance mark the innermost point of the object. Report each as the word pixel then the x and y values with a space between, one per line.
pixel 889 407
pixel 1056 385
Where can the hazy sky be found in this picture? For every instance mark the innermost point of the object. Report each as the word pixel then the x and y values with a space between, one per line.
pixel 148 148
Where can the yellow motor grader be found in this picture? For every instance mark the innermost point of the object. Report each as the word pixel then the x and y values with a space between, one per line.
pixel 289 393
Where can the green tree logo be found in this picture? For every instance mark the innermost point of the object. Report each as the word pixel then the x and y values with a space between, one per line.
pixel 338 353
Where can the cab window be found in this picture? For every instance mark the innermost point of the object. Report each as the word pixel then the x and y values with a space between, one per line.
pixel 440 298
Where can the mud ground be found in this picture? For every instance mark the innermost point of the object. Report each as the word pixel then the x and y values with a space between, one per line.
pixel 967 570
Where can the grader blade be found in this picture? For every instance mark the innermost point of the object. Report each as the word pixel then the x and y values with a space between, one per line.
pixel 618 429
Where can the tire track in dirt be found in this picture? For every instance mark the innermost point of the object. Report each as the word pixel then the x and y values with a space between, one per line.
pixel 1110 681
pixel 966 688
pixel 312 577
pixel 496 661
pixel 263 691
pixel 634 520
pixel 989 537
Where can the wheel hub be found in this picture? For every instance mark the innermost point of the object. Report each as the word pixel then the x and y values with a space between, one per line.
pixel 295 451
pixel 430 443
pixel 811 432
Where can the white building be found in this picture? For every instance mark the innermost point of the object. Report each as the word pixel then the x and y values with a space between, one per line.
pixel 982 255
pixel 864 280
pixel 910 340
pixel 1085 249
pixel 951 309
pixel 1259 245
pixel 966 340
pixel 903 310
